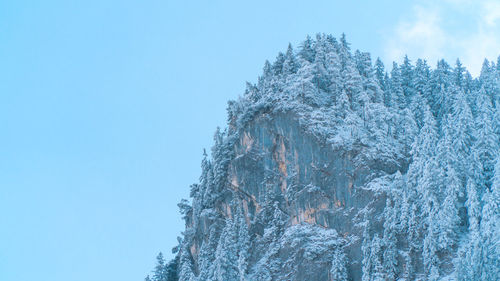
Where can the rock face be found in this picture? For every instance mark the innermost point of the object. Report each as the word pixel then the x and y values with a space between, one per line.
pixel 331 169
pixel 312 184
pixel 299 200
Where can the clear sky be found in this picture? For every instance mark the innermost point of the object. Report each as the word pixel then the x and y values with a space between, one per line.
pixel 106 106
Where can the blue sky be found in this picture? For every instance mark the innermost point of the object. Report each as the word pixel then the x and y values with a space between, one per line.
pixel 105 107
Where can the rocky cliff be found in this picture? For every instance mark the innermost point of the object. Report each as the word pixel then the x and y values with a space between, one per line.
pixel 310 185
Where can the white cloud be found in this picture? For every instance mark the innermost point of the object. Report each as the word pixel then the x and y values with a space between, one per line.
pixel 462 2
pixel 422 37
pixel 424 34
pixel 491 12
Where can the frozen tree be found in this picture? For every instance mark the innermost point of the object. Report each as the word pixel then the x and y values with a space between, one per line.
pixel 470 263
pixel 458 73
pixel 186 265
pixel 390 255
pixel 367 265
pixel 448 217
pixel 486 146
pixel 398 99
pixel 243 245
pixel 377 273
pixel 490 80
pixel 290 65
pixel 380 74
pixel 159 271
pixel 338 270
pixel 429 187
pixel 226 258
pixel 439 97
pixel 421 87
pixel 407 80
pixel 490 228
pixel 459 131
pixel 306 51
pixel 171 270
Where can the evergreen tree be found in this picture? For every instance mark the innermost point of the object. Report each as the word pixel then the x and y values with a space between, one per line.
pixel 486 146
pixel 458 74
pixel 186 263
pixel 208 248
pixel 307 85
pixel 171 270
pixel 388 100
pixel 352 82
pixel 460 129
pixel 398 99
pixel 226 258
pixel 471 265
pixel 423 148
pixel 473 206
pixel 489 80
pixel 496 117
pixel 243 245
pixel 490 228
pixel 420 196
pixel 376 252
pixel 421 89
pixel 439 97
pixel 379 73
pixel 407 80
pixel 429 189
pixel 306 51
pixel 449 220
pixel 366 250
pixel 338 270
pixel 278 64
pixel 159 271
pixel 333 69
pixel 290 65
pixel 390 254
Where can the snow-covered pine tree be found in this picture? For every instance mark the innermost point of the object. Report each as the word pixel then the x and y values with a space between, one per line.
pixel 490 80
pixel 407 80
pixel 290 65
pixel 486 146
pixel 226 256
pixel 460 128
pixel 390 253
pixel 243 245
pixel 171 268
pixel 376 259
pixel 448 216
pixel 338 270
pixel 366 249
pixel 380 74
pixel 186 264
pixel 470 265
pixel 458 74
pixel 398 99
pixel 490 228
pixel 429 187
pixel 159 271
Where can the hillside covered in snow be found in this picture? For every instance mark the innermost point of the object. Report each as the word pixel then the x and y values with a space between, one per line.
pixel 333 167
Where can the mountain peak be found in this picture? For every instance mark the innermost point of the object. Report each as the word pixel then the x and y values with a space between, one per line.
pixel 333 169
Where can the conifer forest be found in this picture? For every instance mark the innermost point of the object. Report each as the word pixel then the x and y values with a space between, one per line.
pixel 335 167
